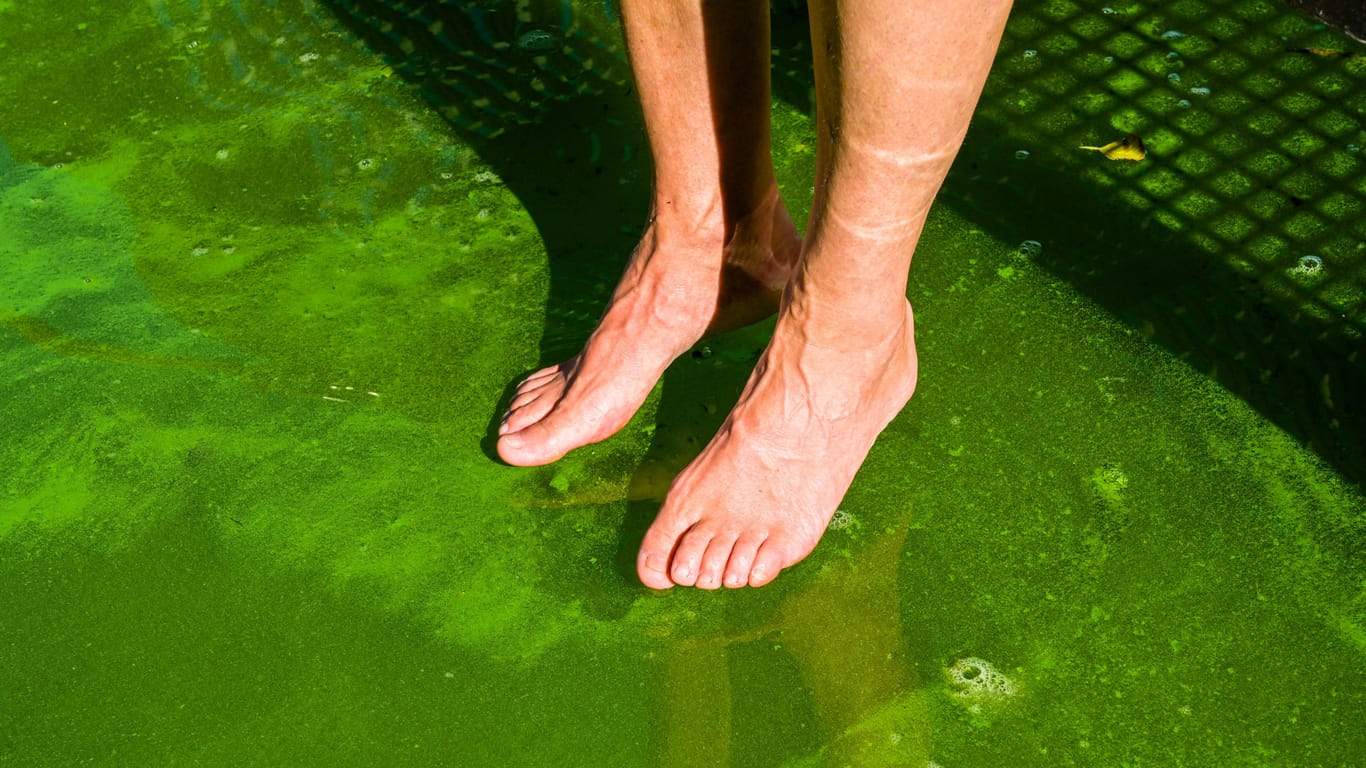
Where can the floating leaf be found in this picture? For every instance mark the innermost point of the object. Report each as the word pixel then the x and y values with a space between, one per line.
pixel 1128 148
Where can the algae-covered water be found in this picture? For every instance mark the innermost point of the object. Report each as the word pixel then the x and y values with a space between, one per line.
pixel 268 269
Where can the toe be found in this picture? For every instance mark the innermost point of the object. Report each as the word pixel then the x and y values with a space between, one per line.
pixel 714 561
pixel 742 559
pixel 522 416
pixel 652 564
pixel 767 562
pixel 687 559
pixel 539 377
pixel 532 394
pixel 541 442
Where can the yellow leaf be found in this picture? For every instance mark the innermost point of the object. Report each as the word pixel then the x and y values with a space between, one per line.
pixel 1128 148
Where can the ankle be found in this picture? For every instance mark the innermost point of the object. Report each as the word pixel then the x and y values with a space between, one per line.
pixel 878 321
pixel 718 218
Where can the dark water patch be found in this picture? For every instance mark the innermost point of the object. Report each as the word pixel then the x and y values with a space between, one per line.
pixel 182 643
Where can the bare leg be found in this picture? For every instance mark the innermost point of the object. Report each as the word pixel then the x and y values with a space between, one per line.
pixel 896 85
pixel 719 246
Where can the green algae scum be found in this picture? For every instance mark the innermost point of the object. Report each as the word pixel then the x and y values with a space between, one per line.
pixel 268 268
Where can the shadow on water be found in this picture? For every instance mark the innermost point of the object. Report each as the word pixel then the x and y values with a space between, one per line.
pixel 577 160
pixel 546 101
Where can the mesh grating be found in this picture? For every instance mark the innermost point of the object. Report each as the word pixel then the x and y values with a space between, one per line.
pixel 1239 242
pixel 1255 145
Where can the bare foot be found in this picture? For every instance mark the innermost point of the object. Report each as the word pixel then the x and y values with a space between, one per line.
pixel 677 289
pixel 760 495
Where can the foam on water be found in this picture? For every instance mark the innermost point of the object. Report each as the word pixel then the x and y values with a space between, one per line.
pixel 976 679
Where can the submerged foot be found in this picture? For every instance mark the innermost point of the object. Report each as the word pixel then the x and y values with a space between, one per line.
pixel 676 290
pixel 760 495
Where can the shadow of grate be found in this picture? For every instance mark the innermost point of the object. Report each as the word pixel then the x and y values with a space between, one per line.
pixel 1256 144
pixel 1239 243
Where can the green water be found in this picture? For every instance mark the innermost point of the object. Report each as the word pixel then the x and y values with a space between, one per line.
pixel 263 293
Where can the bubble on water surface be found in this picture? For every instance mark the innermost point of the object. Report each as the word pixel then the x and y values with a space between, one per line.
pixel 1021 154
pixel 975 678
pixel 538 41
pixel 1308 265
pixel 1031 53
pixel 1029 248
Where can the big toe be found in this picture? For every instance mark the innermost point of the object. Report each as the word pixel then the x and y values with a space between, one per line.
pixel 656 552
pixel 768 561
pixel 542 442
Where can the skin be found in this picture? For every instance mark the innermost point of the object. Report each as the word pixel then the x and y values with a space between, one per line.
pixel 896 84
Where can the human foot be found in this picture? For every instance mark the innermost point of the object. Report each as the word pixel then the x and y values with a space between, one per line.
pixel 761 494
pixel 677 289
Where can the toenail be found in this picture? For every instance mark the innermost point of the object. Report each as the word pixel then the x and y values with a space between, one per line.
pixel 681 572
pixel 656 563
pixel 733 580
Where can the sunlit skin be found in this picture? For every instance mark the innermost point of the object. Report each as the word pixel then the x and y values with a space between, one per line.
pixel 896 84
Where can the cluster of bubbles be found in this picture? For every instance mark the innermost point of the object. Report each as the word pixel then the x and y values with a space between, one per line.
pixel 538 41
pixel 1029 249
pixel 975 678
pixel 1308 265
pixel 840 520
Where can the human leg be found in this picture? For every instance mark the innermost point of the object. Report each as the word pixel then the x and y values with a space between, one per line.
pixel 896 85
pixel 719 245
